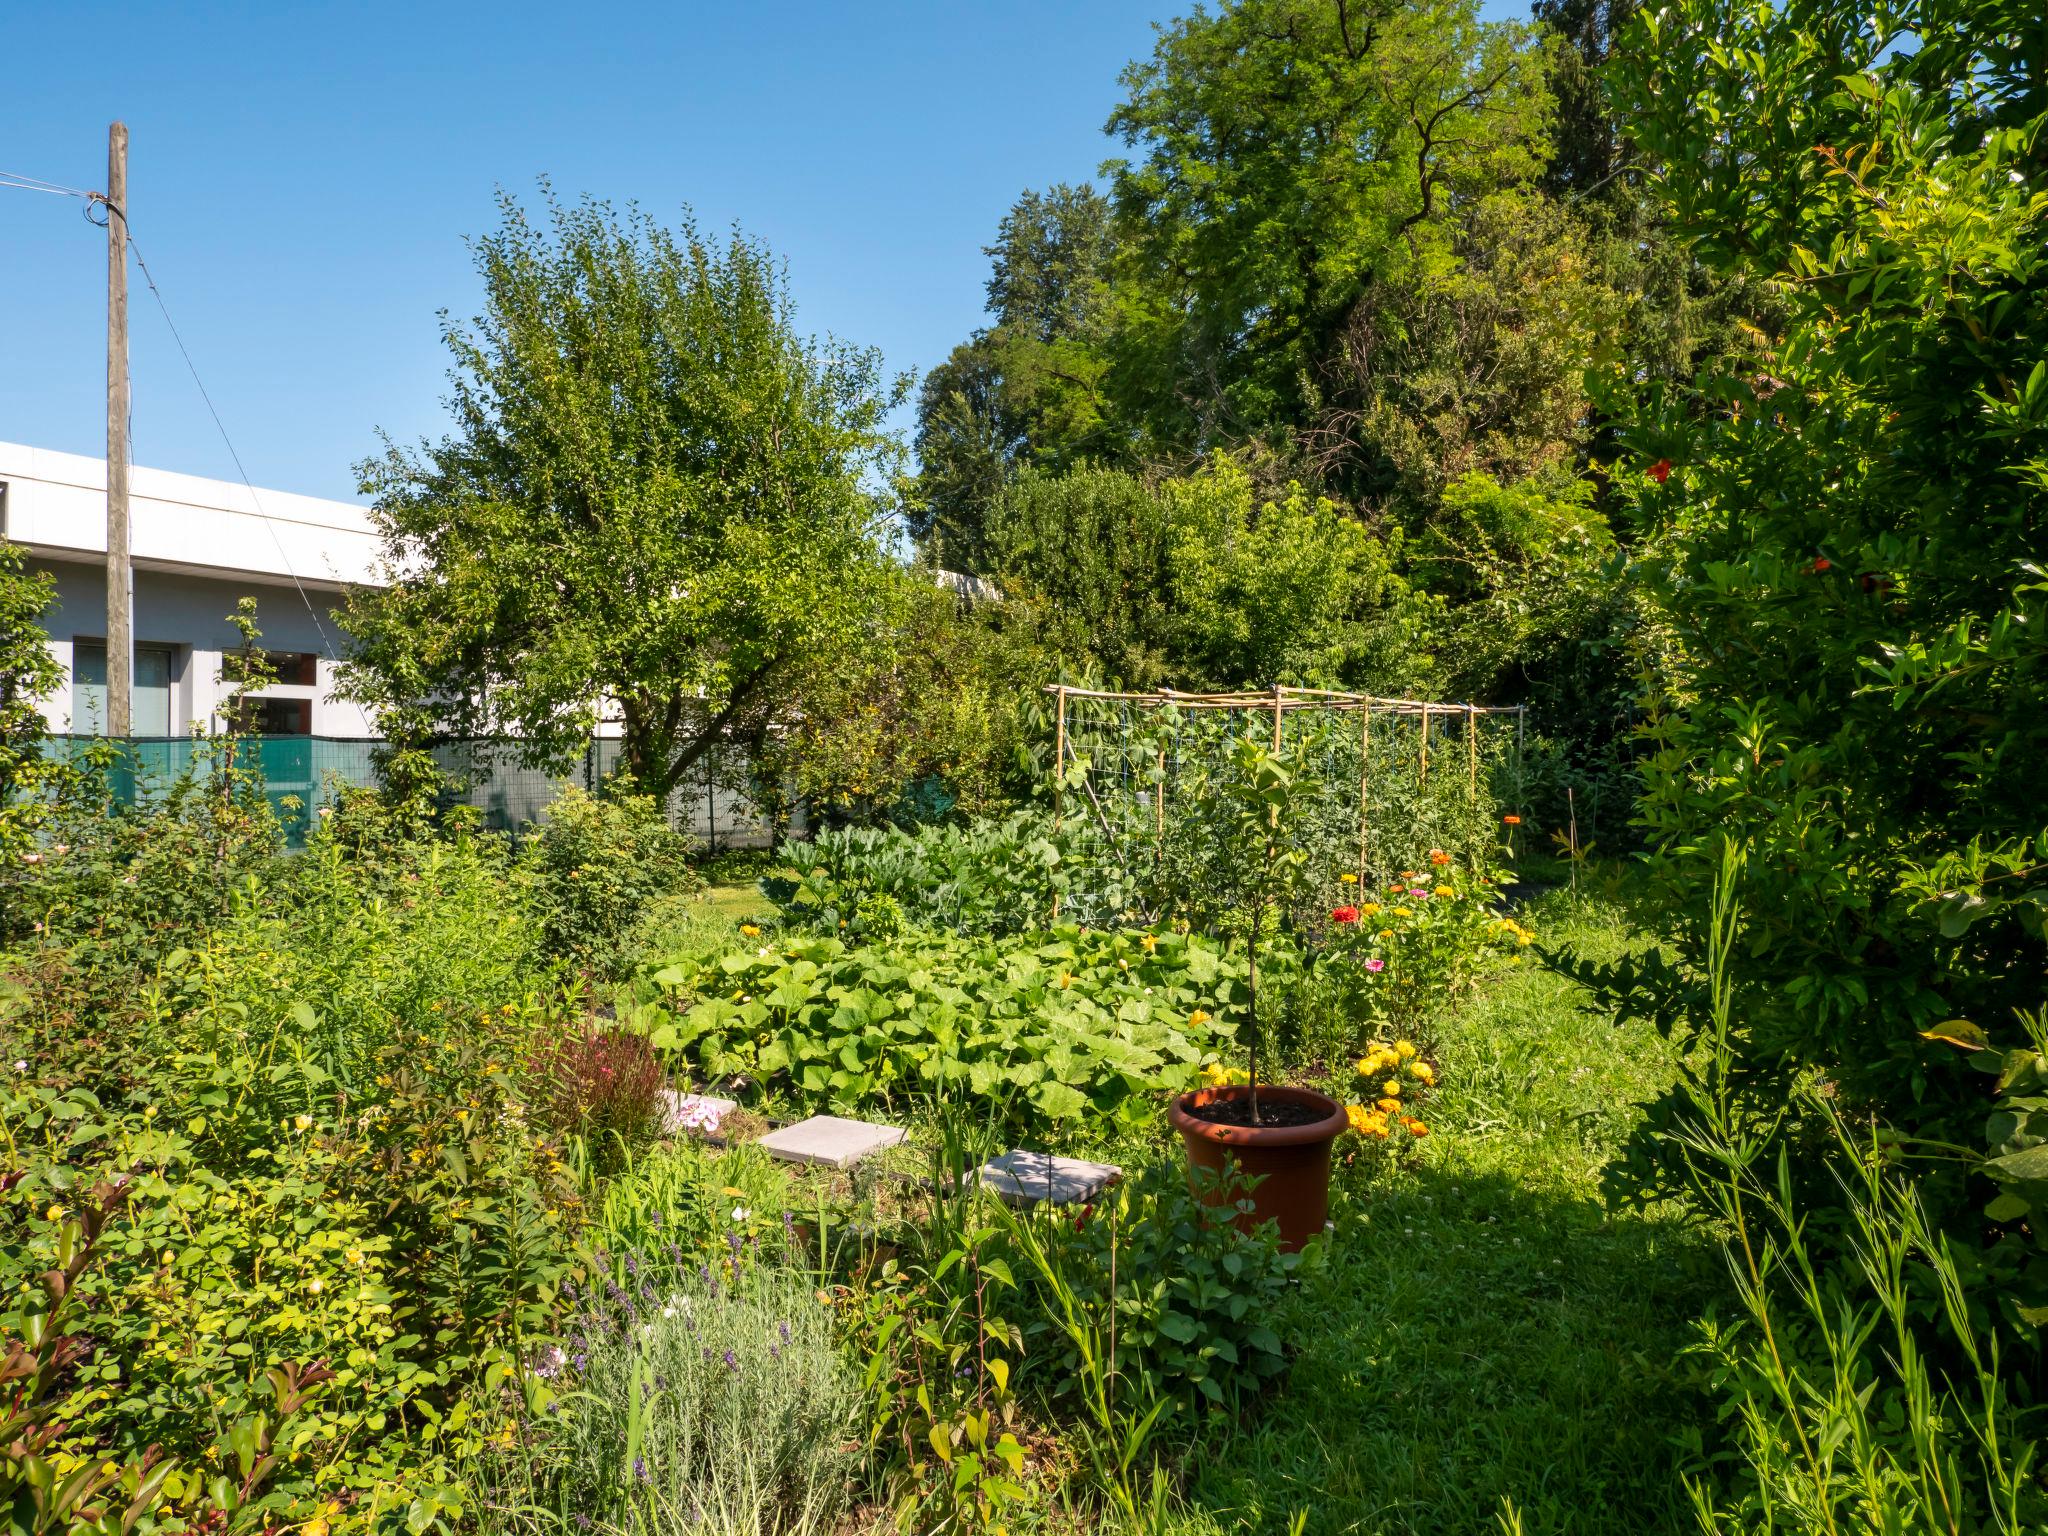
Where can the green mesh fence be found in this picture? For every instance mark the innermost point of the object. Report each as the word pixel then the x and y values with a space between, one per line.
pixel 300 774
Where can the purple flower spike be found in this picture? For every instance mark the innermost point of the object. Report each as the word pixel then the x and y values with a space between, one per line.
pixel 732 1361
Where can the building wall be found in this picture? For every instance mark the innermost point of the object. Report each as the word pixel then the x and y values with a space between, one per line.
pixel 188 615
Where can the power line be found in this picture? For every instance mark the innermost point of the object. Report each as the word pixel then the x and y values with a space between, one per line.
pixel 25 183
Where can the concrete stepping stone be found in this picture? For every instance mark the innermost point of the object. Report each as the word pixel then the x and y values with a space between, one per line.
pixel 1031 1178
pixel 830 1142
pixel 700 1114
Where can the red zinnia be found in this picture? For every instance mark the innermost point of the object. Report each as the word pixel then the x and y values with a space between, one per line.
pixel 1344 915
pixel 1661 471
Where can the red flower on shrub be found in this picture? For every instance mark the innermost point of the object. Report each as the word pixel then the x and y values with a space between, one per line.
pixel 1821 563
pixel 1661 471
pixel 1344 914
pixel 597 1080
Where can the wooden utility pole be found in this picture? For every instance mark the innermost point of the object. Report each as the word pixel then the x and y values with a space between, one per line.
pixel 120 579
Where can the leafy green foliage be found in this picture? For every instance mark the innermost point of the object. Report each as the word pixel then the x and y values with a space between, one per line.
pixel 595 867
pixel 658 499
pixel 28 675
pixel 987 877
pixel 1070 1025
pixel 1844 532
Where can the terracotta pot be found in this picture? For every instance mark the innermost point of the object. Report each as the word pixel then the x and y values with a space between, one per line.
pixel 1291 1163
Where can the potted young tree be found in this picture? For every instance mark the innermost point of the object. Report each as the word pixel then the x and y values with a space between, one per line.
pixel 1278 1138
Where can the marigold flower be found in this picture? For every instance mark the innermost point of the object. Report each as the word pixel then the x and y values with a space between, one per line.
pixel 1422 1072
pixel 1416 1128
pixel 1391 1088
pixel 748 930
pixel 1404 1049
pixel 1389 1105
pixel 1344 914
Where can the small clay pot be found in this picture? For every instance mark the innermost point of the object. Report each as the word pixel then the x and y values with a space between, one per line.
pixel 1290 1162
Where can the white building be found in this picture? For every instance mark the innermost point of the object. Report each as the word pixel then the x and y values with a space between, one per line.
pixel 198 547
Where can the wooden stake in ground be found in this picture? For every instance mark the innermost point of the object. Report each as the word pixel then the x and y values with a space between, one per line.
pixel 1364 785
pixel 1059 772
pixel 120 581
pixel 1472 750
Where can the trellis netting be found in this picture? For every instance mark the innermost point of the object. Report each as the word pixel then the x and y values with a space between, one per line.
pixel 1136 781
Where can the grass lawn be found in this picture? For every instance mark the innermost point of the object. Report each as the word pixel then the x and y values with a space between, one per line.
pixel 1482 1332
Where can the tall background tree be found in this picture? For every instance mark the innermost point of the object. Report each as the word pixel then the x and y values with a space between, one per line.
pixel 659 502
pixel 1025 391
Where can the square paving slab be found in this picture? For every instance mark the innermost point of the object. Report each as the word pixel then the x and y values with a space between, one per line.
pixel 830 1141
pixel 1027 1178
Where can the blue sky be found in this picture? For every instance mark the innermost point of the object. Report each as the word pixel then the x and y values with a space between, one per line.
pixel 302 178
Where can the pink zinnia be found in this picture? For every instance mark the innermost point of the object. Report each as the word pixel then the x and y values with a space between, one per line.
pixel 1375 964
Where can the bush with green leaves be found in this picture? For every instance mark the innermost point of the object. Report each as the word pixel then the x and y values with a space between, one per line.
pixel 593 869
pixel 987 877
pixel 1194 1297
pixel 1074 1025
pixel 1840 539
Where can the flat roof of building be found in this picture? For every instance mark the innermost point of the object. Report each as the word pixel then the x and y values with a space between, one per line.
pixel 56 505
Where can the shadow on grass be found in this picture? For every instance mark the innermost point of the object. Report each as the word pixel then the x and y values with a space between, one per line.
pixel 1473 1336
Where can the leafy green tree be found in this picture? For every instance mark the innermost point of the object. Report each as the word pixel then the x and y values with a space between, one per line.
pixel 659 501
pixel 1024 391
pixel 1846 544
pixel 1294 160
pixel 28 675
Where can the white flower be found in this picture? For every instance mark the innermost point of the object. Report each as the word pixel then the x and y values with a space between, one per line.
pixel 740 1213
pixel 21 1066
pixel 31 858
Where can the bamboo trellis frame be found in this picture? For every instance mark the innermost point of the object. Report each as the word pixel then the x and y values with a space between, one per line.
pixel 1281 700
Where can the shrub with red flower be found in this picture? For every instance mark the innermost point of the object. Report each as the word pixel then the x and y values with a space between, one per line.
pixel 1661 471
pixel 1344 914
pixel 604 1084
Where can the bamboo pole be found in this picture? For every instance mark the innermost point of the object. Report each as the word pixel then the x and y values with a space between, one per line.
pixel 1159 799
pixel 1425 744
pixel 1364 789
pixel 1472 751
pixel 1059 772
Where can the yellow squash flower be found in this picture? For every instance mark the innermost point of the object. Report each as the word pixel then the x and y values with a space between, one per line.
pixel 1198 1018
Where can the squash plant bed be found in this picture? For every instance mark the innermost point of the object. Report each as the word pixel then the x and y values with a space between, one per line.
pixel 1061 1025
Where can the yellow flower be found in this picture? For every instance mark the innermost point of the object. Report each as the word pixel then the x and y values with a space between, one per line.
pixel 317 1526
pixel 1405 1049
pixel 748 930
pixel 1198 1018
pixel 54 1213
pixel 1389 1106
pixel 1348 878
pixel 1066 980
pixel 1370 909
pixel 1402 912
pixel 1220 1076
pixel 1525 938
pixel 1386 933
pixel 302 1122
pixel 1445 891
pixel 1423 1072
pixel 462 1114
pixel 1391 1088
